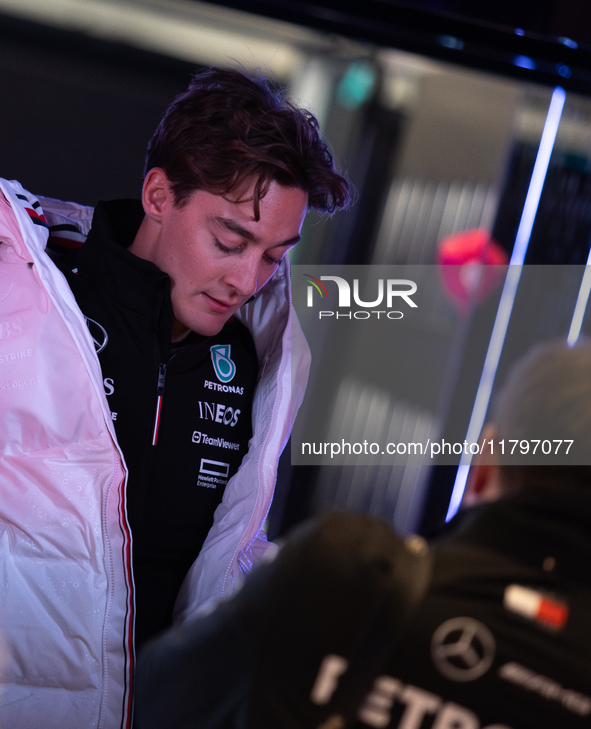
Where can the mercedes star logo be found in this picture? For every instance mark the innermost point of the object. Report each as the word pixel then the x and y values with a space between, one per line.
pixel 98 334
pixel 462 649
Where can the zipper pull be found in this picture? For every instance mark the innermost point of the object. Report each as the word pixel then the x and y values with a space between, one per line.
pixel 160 391
pixel 161 378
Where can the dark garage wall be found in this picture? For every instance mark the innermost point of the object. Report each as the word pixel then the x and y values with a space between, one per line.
pixel 77 113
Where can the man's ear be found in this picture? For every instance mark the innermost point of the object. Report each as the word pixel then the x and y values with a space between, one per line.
pixel 156 193
pixel 484 482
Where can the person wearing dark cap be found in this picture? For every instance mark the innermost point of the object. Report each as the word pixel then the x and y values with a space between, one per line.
pixel 486 630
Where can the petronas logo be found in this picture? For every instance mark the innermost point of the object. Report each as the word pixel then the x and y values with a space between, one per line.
pixel 224 368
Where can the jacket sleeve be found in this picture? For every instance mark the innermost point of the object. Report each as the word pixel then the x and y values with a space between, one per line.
pixel 64 552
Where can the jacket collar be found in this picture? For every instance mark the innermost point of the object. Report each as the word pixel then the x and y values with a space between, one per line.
pixel 541 521
pixel 114 227
pixel 133 282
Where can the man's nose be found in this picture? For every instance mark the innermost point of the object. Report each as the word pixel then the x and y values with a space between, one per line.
pixel 244 274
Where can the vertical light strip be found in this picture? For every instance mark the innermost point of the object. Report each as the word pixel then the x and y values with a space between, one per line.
pixel 507 300
pixel 580 306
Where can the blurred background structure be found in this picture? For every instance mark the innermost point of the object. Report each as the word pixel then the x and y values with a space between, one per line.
pixel 436 109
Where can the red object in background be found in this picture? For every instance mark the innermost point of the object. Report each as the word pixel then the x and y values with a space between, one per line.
pixel 470 266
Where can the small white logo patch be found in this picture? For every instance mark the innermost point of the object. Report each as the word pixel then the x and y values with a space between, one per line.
pixel 462 649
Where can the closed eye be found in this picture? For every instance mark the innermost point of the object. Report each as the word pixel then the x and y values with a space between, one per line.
pixel 226 249
pixel 269 260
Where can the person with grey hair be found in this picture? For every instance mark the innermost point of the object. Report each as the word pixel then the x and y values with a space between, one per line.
pixel 545 400
pixel 352 627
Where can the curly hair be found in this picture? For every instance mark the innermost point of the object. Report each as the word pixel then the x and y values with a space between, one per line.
pixel 228 129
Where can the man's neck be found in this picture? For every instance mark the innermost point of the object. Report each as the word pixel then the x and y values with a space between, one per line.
pixel 179 331
pixel 142 247
pixel 143 242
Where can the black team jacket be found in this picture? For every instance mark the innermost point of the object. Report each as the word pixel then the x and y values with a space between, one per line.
pixel 183 430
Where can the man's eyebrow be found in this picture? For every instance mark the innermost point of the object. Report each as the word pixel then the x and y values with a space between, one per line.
pixel 235 227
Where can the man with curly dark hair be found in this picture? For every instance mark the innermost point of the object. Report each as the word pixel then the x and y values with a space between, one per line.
pixel 202 369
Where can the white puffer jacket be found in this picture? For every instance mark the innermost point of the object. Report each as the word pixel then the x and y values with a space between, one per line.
pixel 66 595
